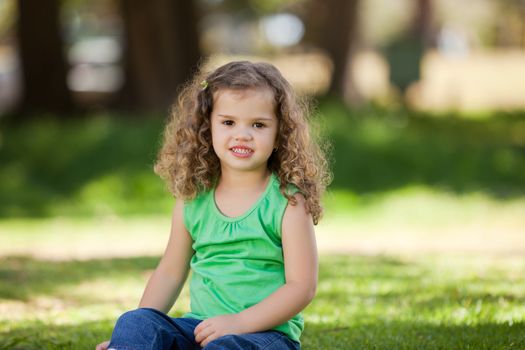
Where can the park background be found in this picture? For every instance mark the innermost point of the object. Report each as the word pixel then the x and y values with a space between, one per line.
pixel 422 245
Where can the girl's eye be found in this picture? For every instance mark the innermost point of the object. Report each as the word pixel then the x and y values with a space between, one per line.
pixel 258 125
pixel 227 122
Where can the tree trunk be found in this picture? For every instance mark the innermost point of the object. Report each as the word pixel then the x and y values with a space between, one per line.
pixel 332 26
pixel 43 63
pixel 161 51
pixel 422 25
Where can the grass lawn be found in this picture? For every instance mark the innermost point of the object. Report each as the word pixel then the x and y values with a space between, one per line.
pixel 422 246
pixel 363 302
pixel 65 280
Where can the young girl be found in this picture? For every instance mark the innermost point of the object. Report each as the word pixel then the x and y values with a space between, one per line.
pixel 238 154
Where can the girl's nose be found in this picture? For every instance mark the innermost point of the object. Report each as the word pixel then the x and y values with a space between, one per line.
pixel 243 134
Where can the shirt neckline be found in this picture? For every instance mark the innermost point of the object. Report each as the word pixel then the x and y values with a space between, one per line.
pixel 247 212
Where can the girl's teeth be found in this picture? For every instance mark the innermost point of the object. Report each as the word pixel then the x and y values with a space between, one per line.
pixel 238 150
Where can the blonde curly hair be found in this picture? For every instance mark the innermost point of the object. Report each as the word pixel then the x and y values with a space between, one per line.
pixel 188 163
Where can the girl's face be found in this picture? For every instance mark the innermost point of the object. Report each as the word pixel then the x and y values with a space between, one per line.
pixel 244 128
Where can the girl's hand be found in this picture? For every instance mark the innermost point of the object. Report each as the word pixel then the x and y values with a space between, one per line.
pixel 102 346
pixel 215 327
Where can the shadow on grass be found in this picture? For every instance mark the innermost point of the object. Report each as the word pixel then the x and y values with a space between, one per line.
pixel 341 277
pixel 23 277
pixel 378 335
pixel 377 266
pixel 49 337
pixel 368 286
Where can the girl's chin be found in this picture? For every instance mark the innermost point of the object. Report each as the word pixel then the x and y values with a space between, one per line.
pixel 242 155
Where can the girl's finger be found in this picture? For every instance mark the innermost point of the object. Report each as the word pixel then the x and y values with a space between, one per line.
pixel 200 327
pixel 102 346
pixel 204 334
pixel 209 339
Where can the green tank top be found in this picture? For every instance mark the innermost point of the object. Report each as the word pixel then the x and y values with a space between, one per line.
pixel 238 261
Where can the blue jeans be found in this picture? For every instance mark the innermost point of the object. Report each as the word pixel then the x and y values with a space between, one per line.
pixel 145 329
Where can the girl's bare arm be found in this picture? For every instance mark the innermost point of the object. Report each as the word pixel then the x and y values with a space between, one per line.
pixel 301 268
pixel 167 280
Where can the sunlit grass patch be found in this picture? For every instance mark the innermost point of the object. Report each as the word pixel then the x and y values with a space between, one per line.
pixel 62 238
pixel 412 218
pixel 424 206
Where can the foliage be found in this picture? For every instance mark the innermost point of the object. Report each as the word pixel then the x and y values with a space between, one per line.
pixel 79 167
pixel 103 165
pixel 377 150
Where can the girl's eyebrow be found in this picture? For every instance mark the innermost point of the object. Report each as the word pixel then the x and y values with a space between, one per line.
pixel 232 117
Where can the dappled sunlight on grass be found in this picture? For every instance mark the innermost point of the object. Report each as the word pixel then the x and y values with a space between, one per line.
pixel 443 300
pixel 26 277
pixel 55 293
pixel 379 301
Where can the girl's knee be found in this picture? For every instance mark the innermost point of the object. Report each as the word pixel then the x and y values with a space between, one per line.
pixel 141 329
pixel 137 316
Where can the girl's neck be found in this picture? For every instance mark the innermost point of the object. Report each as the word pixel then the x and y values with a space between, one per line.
pixel 243 180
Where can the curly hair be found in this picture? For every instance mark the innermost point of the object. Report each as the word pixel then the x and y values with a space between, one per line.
pixel 188 163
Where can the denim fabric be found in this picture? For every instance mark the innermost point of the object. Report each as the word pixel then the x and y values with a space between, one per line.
pixel 145 329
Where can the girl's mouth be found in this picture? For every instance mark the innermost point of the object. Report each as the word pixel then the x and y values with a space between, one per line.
pixel 241 152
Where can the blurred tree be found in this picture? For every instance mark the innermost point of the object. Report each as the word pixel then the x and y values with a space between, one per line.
pixel 333 25
pixel 160 52
pixel 7 20
pixel 510 27
pixel 44 66
pixel 423 22
pixel 404 53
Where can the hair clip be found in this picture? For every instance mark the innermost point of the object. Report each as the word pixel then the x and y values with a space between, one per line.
pixel 204 84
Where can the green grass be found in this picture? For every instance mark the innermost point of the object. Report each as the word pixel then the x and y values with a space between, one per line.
pixel 406 300
pixel 363 302
pixel 425 302
pixel 85 190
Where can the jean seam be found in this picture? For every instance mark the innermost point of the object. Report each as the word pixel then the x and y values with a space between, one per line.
pixel 273 341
